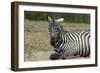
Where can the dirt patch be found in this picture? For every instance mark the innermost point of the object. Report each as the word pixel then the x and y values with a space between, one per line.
pixel 38 55
pixel 37 40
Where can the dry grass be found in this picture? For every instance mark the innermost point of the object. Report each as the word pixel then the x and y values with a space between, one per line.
pixel 37 43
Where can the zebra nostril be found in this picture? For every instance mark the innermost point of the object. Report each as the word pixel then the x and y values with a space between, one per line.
pixel 52 41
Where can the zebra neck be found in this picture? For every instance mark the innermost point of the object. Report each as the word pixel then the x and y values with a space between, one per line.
pixel 55 41
pixel 58 42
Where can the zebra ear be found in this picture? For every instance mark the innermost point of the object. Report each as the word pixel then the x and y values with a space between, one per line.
pixel 60 20
pixel 49 18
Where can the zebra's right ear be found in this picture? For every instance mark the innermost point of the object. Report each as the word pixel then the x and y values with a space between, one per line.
pixel 49 18
pixel 60 20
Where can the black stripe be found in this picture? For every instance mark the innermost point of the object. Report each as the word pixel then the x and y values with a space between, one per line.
pixel 89 46
pixel 70 37
pixel 82 45
pixel 77 37
pixel 85 45
pixel 58 43
pixel 61 49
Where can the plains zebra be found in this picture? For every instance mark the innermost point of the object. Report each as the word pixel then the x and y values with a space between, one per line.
pixel 67 43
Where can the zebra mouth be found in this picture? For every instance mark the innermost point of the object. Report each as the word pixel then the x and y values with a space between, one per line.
pixel 52 42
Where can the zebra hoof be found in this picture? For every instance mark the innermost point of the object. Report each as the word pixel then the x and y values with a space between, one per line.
pixel 54 56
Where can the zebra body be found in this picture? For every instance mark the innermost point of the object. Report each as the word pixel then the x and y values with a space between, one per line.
pixel 68 43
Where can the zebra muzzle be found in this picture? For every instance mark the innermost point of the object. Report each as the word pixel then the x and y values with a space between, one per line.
pixel 52 41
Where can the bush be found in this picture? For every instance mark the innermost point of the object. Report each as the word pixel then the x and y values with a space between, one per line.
pixel 68 17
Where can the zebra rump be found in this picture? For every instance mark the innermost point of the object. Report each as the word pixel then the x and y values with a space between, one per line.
pixel 67 44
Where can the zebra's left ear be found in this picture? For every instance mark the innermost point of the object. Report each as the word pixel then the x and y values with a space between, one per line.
pixel 60 20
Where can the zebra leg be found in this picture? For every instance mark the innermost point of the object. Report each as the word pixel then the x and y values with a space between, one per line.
pixel 54 56
pixel 68 54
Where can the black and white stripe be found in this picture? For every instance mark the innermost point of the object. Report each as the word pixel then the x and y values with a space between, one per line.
pixel 68 43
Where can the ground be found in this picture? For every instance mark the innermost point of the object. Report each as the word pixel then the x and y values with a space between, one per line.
pixel 37 41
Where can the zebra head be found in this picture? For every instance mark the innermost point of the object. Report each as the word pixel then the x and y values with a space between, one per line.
pixel 54 28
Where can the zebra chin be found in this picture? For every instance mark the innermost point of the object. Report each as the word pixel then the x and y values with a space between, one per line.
pixel 52 42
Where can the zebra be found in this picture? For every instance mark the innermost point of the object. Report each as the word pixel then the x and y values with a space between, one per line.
pixel 65 43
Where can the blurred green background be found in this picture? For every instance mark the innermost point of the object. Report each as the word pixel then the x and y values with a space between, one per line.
pixel 68 17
